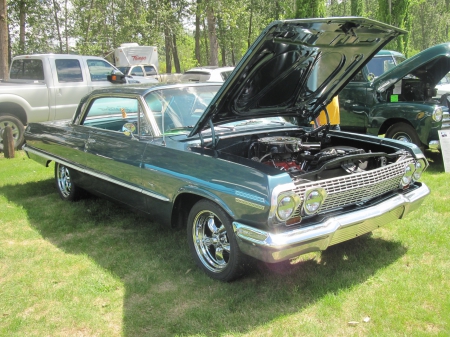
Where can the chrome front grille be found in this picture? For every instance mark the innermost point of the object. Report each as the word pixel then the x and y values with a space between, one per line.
pixel 358 187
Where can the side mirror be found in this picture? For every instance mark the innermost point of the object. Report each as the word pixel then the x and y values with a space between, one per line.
pixel 116 77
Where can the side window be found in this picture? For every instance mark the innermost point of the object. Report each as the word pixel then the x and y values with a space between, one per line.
pixel 120 114
pixel 27 70
pixel 137 71
pixel 68 71
pixel 99 69
pixel 150 70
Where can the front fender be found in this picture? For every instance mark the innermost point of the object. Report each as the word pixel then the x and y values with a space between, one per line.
pixel 418 115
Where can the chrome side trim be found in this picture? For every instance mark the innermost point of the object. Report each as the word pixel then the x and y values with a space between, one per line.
pixel 94 174
pixel 274 247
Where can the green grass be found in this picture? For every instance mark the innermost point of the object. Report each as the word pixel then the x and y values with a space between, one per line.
pixel 94 269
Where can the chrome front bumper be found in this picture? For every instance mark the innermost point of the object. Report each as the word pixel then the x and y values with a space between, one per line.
pixel 270 247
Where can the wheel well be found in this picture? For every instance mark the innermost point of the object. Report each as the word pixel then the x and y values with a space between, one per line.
pixel 15 110
pixel 181 208
pixel 388 123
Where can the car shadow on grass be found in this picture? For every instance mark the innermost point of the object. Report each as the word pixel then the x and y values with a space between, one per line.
pixel 435 160
pixel 165 293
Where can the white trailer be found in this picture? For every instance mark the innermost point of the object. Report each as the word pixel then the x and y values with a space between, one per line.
pixel 131 54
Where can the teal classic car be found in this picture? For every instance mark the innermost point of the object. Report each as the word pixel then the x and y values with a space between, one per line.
pixel 398 100
pixel 238 163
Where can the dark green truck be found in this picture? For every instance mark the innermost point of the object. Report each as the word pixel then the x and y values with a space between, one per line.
pixel 397 98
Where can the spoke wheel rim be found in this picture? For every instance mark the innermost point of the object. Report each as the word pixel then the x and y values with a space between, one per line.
pixel 64 182
pixel 211 241
pixel 14 128
pixel 404 137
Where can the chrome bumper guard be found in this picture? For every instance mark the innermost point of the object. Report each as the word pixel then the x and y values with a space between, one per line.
pixel 271 247
pixel 434 145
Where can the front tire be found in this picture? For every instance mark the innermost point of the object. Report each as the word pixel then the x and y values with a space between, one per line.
pixel 16 127
pixel 405 133
pixel 67 189
pixel 212 242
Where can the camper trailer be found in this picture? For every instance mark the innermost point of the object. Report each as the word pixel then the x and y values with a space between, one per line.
pixel 135 60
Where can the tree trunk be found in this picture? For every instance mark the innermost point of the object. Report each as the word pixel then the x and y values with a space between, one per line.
pixel 212 35
pixel 223 41
pixel 22 21
pixel 176 59
pixel 197 34
pixel 168 45
pixel 56 9
pixel 205 35
pixel 66 33
pixel 249 35
pixel 4 74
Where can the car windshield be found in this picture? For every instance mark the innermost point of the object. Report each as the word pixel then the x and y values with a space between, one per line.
pixel 124 69
pixel 379 65
pixel 177 110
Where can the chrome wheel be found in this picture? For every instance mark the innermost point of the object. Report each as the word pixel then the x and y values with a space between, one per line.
pixel 212 242
pixel 404 137
pixel 67 189
pixel 403 132
pixel 63 180
pixel 210 239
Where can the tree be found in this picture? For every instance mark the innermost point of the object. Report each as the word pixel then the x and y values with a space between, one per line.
pixel 4 73
pixel 310 9
pixel 395 12
pixel 357 7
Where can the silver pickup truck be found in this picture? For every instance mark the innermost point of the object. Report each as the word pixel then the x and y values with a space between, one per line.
pixel 48 87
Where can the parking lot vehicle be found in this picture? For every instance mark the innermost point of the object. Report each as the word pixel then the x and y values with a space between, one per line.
pixel 47 87
pixel 400 102
pixel 239 164
pixel 141 62
pixel 206 74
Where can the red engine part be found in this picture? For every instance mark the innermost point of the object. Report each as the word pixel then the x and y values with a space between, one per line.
pixel 284 165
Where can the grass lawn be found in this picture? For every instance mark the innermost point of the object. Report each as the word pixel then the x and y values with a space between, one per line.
pixel 94 269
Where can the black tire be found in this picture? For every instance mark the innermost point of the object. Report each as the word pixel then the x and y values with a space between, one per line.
pixel 212 242
pixel 67 189
pixel 404 132
pixel 17 130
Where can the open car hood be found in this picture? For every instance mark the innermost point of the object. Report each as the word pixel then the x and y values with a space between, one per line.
pixel 429 66
pixel 295 68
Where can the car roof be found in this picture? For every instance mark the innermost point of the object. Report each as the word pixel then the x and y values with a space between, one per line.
pixel 143 89
pixel 389 53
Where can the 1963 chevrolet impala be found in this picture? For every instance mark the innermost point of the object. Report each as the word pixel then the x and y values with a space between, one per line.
pixel 240 164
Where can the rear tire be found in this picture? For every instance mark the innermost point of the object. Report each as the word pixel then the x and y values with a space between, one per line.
pixel 212 242
pixel 67 189
pixel 405 133
pixel 17 130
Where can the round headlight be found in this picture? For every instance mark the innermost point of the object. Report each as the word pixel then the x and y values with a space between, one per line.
pixel 420 167
pixel 437 114
pixel 407 176
pixel 286 207
pixel 314 199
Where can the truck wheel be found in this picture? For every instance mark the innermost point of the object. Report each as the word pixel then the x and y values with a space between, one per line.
pixel 212 242
pixel 16 127
pixel 66 188
pixel 405 133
